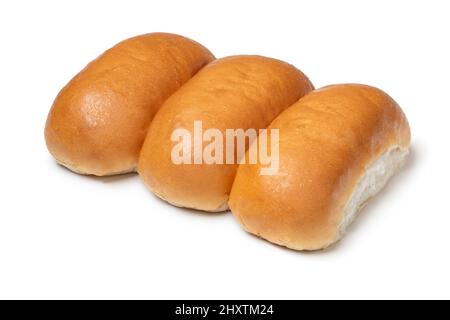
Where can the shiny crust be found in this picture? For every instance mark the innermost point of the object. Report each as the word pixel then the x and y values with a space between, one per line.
pixel 234 92
pixel 99 120
pixel 327 140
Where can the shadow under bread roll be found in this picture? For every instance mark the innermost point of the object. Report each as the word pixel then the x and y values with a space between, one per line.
pixel 239 92
pixel 338 146
pixel 99 120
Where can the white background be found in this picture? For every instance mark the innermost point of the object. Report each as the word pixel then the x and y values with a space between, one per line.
pixel 67 236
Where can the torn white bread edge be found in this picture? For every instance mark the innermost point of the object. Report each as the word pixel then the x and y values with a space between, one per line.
pixel 374 179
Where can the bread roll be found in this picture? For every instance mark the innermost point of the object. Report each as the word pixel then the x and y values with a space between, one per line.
pixel 338 146
pixel 98 121
pixel 239 92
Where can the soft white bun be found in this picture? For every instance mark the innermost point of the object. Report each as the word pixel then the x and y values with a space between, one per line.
pixel 99 120
pixel 239 92
pixel 338 147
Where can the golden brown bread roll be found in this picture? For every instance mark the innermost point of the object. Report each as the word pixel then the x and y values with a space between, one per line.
pixel 338 146
pixel 99 120
pixel 234 92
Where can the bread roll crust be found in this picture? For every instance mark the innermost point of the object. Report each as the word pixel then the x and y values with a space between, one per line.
pixel 328 139
pixel 234 92
pixel 99 120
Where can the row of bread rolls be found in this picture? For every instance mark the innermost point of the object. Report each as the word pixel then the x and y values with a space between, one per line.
pixel 338 146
